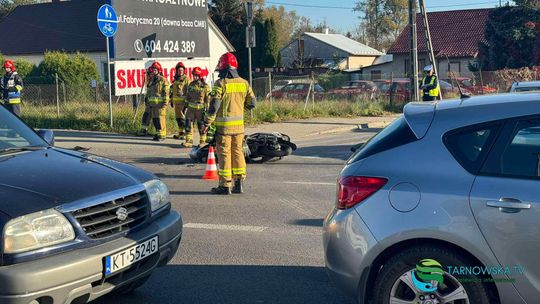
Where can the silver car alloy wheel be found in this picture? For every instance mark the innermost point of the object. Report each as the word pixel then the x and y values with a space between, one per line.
pixel 404 291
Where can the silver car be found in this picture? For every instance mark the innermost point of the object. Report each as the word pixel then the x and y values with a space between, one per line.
pixel 442 206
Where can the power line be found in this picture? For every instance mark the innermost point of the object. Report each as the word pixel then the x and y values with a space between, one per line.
pixel 351 8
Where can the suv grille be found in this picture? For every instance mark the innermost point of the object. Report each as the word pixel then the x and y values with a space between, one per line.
pixel 102 220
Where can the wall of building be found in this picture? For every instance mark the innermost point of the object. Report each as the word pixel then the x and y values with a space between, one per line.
pixel 313 48
pixel 460 66
pixel 355 62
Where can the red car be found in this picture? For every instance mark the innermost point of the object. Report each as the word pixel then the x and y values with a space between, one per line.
pixel 467 85
pixel 362 88
pixel 297 91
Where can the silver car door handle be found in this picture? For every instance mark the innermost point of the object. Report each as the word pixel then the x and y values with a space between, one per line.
pixel 509 203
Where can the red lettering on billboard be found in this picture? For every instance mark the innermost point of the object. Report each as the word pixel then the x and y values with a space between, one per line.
pixel 131 78
pixel 121 79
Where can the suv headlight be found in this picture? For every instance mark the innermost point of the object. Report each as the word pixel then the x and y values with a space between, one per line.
pixel 158 194
pixel 37 230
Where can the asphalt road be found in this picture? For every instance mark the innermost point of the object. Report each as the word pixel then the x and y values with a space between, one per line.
pixel 261 247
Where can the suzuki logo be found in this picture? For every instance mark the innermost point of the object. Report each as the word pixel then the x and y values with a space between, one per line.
pixel 122 214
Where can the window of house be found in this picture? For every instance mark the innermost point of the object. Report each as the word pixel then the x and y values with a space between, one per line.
pixel 376 75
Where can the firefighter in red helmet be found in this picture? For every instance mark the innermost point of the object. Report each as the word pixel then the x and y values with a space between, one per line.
pixel 158 99
pixel 178 95
pixel 230 95
pixel 11 86
pixel 197 105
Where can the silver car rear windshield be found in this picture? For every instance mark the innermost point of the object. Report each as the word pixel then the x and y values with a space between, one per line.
pixel 398 133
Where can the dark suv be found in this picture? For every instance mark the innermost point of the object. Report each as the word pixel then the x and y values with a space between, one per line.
pixel 76 226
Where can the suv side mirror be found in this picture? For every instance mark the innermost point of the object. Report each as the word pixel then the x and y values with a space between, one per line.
pixel 47 135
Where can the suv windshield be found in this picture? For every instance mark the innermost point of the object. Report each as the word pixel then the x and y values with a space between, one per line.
pixel 15 135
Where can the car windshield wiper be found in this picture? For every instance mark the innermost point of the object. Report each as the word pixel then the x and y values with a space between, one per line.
pixel 21 149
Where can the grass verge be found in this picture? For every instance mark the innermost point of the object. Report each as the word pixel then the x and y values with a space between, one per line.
pixel 89 116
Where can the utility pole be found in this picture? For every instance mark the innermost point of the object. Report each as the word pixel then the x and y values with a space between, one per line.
pixel 250 37
pixel 429 42
pixel 414 51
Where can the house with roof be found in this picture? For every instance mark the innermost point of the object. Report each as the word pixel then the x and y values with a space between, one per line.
pixel 31 30
pixel 456 37
pixel 333 51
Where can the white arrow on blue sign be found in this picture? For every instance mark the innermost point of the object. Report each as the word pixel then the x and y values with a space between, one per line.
pixel 107 20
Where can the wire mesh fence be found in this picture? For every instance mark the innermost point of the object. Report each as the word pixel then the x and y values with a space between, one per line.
pixel 52 102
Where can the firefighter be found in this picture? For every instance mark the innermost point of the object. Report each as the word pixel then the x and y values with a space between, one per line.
pixel 229 97
pixel 178 94
pixel 147 115
pixel 11 88
pixel 158 98
pixel 197 105
pixel 430 84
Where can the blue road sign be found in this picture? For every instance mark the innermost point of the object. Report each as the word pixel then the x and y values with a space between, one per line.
pixel 107 20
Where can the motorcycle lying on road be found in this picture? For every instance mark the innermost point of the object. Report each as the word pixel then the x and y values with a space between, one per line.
pixel 258 148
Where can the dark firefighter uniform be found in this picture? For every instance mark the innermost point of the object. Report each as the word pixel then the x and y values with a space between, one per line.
pixel 12 86
pixel 147 115
pixel 178 96
pixel 197 104
pixel 230 96
pixel 158 99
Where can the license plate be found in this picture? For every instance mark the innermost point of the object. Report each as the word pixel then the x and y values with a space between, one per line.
pixel 130 256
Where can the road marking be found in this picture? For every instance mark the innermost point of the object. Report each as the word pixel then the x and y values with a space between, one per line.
pixel 311 183
pixel 225 227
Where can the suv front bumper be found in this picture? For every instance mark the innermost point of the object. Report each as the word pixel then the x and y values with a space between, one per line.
pixel 79 274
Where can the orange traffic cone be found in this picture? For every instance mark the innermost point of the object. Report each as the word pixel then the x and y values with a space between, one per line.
pixel 211 167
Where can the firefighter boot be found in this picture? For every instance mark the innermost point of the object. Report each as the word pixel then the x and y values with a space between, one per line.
pixel 221 190
pixel 238 186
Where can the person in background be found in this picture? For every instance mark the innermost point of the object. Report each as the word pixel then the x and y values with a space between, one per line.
pixel 158 98
pixel 197 105
pixel 147 115
pixel 11 88
pixel 178 96
pixel 430 85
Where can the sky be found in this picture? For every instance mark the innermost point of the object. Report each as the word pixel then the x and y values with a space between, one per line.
pixel 343 19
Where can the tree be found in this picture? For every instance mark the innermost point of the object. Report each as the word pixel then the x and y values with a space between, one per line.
pixel 271 44
pixel 528 3
pixel 7 6
pixel 285 22
pixel 383 20
pixel 512 38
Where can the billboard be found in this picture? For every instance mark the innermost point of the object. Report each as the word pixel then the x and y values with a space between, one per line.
pixel 161 29
pixel 129 75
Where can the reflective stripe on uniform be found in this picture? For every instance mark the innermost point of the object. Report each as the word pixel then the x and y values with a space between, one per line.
pixel 236 88
pixel 216 91
pixel 196 106
pixel 19 88
pixel 225 173
pixel 156 99
pixel 14 100
pixel 229 121
pixel 239 171
pixel 178 99
pixel 433 92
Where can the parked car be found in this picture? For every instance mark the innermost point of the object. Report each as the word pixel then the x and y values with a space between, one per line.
pixel 363 88
pixel 399 89
pixel 525 86
pixel 280 84
pixel 442 206
pixel 297 91
pixel 469 87
pixel 76 226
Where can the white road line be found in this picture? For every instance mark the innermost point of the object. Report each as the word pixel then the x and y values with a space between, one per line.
pixel 225 227
pixel 311 183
